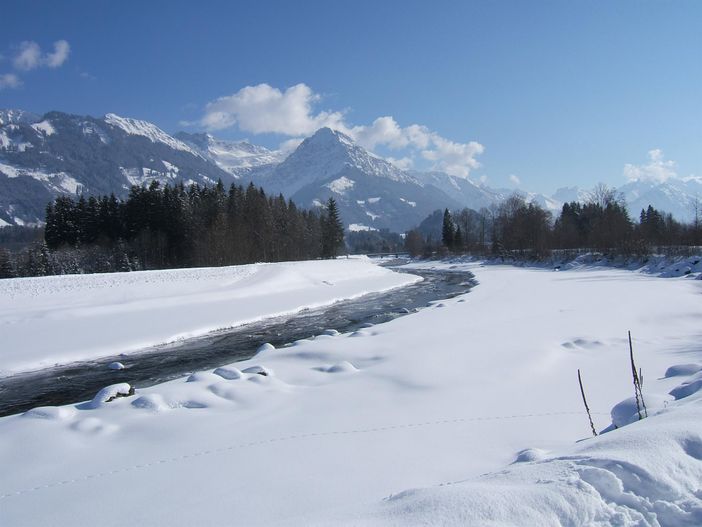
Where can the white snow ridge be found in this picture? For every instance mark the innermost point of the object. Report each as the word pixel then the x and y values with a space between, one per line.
pixel 148 130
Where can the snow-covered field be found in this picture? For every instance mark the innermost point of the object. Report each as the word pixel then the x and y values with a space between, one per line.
pixel 342 428
pixel 59 319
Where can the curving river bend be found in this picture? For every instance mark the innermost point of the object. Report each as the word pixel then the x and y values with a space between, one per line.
pixel 79 381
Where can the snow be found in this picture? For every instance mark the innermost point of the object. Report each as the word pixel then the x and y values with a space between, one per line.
pixel 465 415
pixel 45 127
pixel 58 181
pixel 340 185
pixel 107 314
pixel 373 200
pixel 358 227
pixel 234 157
pixel 327 154
pixel 170 167
pixel 148 130
pixel 410 203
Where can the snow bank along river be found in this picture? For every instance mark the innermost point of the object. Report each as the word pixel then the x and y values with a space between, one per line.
pixel 465 413
pixel 78 381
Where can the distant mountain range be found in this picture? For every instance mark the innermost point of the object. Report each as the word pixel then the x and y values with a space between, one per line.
pixel 58 153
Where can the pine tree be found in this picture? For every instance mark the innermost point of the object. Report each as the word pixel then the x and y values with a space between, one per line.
pixel 6 268
pixel 332 230
pixel 447 230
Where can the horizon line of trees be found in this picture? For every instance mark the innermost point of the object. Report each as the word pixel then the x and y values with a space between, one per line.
pixel 162 227
pixel 516 227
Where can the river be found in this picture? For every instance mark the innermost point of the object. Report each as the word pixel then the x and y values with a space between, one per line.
pixel 79 381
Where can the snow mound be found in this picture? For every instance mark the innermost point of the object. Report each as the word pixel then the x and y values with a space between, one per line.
pixel 52 413
pixel 582 343
pixel 688 387
pixel 341 367
pixel 682 369
pixel 263 348
pixel 259 370
pixel 110 393
pixel 226 391
pixel 228 372
pixel 203 376
pixel 331 332
pixel 647 475
pixel 530 454
pixel 625 412
pixel 115 366
pixel 152 401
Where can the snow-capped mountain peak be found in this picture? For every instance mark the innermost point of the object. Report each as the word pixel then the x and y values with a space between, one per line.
pixel 325 154
pixel 13 116
pixel 236 157
pixel 148 130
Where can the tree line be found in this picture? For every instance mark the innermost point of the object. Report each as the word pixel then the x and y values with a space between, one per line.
pixel 160 227
pixel 517 227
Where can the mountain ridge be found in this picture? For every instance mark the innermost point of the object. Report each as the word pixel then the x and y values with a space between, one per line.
pixel 42 156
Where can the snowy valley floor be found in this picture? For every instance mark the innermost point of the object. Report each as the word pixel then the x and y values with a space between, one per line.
pixel 443 401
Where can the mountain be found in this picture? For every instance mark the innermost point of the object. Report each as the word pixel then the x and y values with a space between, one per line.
pixel 676 196
pixel 240 158
pixel 371 193
pixel 323 155
pixel 58 153
pixel 472 195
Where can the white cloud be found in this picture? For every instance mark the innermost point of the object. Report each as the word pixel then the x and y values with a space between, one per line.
pixel 290 144
pixel 514 180
pixel 404 163
pixel 657 170
pixel 30 56
pixel 264 109
pixel 456 159
pixel 9 80
pixel 59 55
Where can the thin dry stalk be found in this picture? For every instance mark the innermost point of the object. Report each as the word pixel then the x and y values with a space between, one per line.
pixel 587 408
pixel 637 383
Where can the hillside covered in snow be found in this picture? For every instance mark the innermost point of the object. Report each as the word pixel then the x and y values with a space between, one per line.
pixel 465 413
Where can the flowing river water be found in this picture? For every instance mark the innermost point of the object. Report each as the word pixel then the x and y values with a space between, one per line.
pixel 79 381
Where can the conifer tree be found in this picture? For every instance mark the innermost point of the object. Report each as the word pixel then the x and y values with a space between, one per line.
pixel 447 230
pixel 332 230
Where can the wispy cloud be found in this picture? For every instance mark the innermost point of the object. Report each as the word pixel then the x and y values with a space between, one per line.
pixel 9 80
pixel 60 54
pixel 514 179
pixel 293 112
pixel 30 56
pixel 656 170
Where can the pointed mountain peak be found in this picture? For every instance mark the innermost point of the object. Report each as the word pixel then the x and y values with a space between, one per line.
pixel 328 138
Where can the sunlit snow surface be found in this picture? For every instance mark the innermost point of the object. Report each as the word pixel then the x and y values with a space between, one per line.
pixel 415 422
pixel 60 319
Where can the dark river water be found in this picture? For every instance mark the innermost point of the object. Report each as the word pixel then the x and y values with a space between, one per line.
pixel 79 381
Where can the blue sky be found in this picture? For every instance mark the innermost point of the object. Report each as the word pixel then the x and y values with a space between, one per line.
pixel 539 94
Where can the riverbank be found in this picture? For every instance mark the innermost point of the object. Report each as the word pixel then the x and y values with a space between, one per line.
pixel 325 430
pixel 60 319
